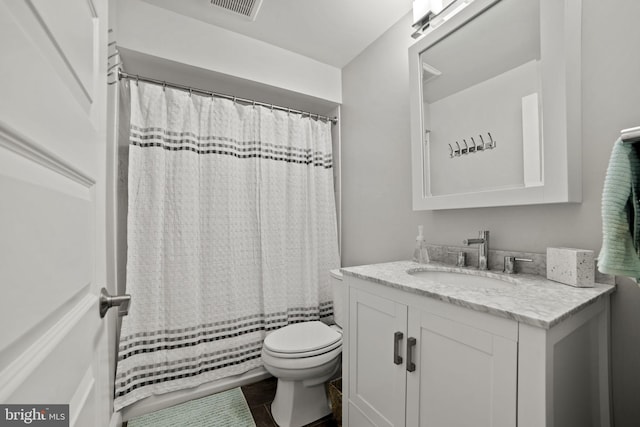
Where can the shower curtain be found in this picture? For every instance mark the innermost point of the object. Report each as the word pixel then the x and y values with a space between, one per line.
pixel 231 234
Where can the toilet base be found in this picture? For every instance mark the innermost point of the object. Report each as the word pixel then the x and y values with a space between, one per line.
pixel 296 404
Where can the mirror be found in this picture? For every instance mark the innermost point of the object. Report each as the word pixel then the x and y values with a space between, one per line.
pixel 495 106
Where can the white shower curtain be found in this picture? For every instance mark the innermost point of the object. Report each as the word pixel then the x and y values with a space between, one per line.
pixel 231 234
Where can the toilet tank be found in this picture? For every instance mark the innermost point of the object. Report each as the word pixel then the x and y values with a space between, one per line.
pixel 339 297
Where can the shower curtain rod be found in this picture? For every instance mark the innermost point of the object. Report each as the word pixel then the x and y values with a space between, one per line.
pixel 124 75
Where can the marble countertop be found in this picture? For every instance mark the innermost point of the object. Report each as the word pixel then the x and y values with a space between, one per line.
pixel 532 299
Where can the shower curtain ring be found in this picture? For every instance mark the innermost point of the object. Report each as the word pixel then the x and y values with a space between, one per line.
pixel 164 86
pixel 190 92
pixel 137 80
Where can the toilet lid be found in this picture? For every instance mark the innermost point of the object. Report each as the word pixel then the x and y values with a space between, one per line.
pixel 302 338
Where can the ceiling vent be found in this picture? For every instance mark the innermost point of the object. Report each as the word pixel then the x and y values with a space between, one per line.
pixel 247 8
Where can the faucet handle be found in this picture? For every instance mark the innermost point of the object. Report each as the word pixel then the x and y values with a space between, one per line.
pixel 510 263
pixel 461 258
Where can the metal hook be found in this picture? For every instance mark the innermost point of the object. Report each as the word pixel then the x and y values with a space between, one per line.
pixel 457 152
pixel 475 147
pixel 492 144
pixel 451 153
pixel 483 147
pixel 466 147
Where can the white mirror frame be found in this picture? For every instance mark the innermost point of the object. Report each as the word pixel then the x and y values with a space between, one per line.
pixel 560 65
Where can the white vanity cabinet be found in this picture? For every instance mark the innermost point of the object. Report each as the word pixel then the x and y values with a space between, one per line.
pixel 452 367
pixel 411 359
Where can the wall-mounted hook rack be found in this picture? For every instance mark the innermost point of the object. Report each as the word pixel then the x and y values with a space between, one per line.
pixel 483 146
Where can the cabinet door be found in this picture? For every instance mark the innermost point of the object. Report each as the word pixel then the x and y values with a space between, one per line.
pixel 377 380
pixel 464 376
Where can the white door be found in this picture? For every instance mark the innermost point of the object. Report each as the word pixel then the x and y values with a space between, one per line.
pixel 53 346
pixel 464 377
pixel 377 376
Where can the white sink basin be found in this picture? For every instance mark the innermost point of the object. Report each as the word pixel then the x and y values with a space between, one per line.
pixel 459 279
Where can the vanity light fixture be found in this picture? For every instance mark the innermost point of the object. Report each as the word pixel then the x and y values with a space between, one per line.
pixel 432 13
pixel 423 9
pixel 458 6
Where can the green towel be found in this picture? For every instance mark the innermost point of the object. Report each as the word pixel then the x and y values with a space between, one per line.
pixel 620 212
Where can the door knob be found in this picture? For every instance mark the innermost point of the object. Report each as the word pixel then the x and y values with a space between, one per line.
pixel 107 301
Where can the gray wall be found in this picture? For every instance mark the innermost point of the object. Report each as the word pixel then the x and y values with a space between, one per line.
pixel 379 224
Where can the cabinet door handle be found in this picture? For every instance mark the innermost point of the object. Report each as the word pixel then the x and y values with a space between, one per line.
pixel 397 337
pixel 411 342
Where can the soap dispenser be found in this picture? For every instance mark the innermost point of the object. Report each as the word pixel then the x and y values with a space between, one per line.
pixel 420 254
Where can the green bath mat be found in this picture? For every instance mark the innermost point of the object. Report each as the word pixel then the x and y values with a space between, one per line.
pixel 226 409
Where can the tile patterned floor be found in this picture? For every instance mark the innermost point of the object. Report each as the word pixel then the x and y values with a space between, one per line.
pixel 259 397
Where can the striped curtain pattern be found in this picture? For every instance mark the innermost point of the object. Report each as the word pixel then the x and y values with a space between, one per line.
pixel 231 234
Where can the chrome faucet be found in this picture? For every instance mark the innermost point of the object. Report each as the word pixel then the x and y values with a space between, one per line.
pixel 483 249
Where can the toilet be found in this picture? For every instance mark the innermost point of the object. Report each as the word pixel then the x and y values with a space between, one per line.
pixel 303 356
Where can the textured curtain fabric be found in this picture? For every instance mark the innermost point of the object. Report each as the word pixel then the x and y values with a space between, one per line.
pixel 231 234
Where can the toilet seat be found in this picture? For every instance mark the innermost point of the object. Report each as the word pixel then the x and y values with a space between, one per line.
pixel 302 340
pixel 296 365
pixel 301 355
